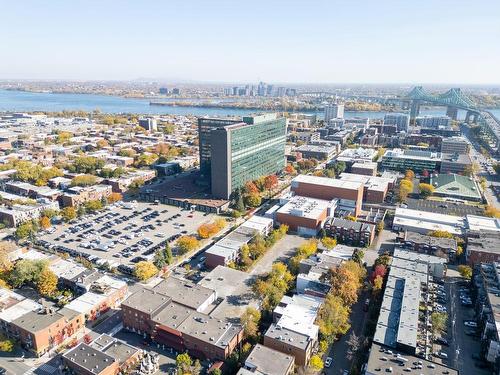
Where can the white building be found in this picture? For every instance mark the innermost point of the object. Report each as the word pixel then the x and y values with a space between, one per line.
pixel 401 120
pixel 334 111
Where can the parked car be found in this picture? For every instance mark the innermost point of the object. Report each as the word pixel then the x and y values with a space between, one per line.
pixel 328 361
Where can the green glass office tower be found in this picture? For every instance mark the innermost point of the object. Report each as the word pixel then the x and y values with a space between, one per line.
pixel 246 151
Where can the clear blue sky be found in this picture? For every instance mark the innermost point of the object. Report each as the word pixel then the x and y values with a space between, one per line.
pixel 332 41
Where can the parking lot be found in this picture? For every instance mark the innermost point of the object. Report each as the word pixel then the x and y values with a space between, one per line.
pixel 124 234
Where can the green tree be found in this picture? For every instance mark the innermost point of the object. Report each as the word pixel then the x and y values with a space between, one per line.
pixel 84 180
pixel 426 190
pixel 26 271
pixel 253 200
pixel 93 205
pixel 27 230
pixel 163 257
pixel 216 372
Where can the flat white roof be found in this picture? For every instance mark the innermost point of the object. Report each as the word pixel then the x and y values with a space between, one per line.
pixel 299 314
pixel 430 221
pixel 86 302
pixel 326 181
pixel 19 309
pixel 66 269
pixel 309 208
pixel 483 223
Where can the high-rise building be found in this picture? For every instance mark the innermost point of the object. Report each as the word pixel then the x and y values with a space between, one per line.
pixel 205 126
pixel 401 120
pixel 163 90
pixel 149 124
pixel 334 111
pixel 244 151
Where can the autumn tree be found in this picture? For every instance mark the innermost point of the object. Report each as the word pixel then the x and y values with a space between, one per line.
pixel 289 169
pixel 183 363
pixel 251 188
pixel 426 190
pixel 440 234
pixel 45 222
pixel 465 271
pixel 250 321
pixel 253 200
pixel 333 318
pixel 270 182
pixel 491 211
pixel 68 213
pixel 271 288
pixel 187 244
pixel 316 363
pixel 405 188
pixel 144 270
pixel 329 242
pixel 346 281
pixel 409 175
pixel 114 197
pixel 438 321
pixel 47 282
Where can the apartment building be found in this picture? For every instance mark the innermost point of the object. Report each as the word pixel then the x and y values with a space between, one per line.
pixel 77 195
pixel 350 232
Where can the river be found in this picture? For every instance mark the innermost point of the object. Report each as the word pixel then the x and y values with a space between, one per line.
pixel 22 101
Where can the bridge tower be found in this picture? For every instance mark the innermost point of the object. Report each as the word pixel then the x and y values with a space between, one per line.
pixel 471 115
pixel 452 112
pixel 415 109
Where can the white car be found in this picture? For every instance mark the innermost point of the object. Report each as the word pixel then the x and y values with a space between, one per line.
pixel 328 361
pixel 470 324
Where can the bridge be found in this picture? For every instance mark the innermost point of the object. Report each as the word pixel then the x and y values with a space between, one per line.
pixel 453 99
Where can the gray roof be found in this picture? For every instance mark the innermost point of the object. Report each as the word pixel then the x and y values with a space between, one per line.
pixel 89 358
pixel 349 224
pixel 184 292
pixel 117 349
pixel 34 322
pixel 291 338
pixel 487 242
pixel 423 239
pixel 147 300
pixel 269 361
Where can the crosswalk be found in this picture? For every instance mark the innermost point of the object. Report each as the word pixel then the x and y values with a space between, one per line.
pixel 44 369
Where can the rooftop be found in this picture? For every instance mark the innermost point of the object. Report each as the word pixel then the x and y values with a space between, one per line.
pixel 413 154
pixel 264 360
pixel 326 181
pixel 383 360
pixel 439 242
pixel 184 292
pixel 455 185
pixel 89 358
pixel 147 300
pixel 309 208
pixel 34 322
pixel 291 338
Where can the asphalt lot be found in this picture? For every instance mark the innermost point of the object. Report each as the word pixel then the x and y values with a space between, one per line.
pixel 449 208
pixel 125 235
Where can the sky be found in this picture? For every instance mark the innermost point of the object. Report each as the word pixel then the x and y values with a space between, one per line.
pixel 309 41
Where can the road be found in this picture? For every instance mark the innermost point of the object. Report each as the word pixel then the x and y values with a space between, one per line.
pixel 339 350
pixel 481 160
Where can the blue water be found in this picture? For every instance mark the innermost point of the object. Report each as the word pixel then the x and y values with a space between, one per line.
pixel 28 101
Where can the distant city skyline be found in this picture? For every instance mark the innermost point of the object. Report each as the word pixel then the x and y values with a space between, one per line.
pixel 316 42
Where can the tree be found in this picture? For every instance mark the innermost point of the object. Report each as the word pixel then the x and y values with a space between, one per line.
pixel 26 271
pixel 465 271
pixel 26 230
pixel 93 205
pixel 136 185
pixel 270 182
pixel 333 318
pixel 87 339
pixel 102 143
pixel 68 213
pixel 163 257
pixel 45 222
pixel 6 247
pixel 358 256
pixel 409 175
pixel 84 180
pixel 183 362
pixel 378 283
pixel 6 345
pixel 144 270
pixel 289 169
pixel 114 197
pixel 187 244
pixel 239 204
pixel 271 288
pixel 380 227
pixel 251 188
pixel 216 371
pixel 253 200
pixel 440 234
pixel 405 188
pixel 354 343
pixel 316 363
pixel 384 259
pixel 329 242
pixel 438 321
pixel 346 280
pixel 426 190
pixel 86 164
pixel 47 282
pixel 491 211
pixel 250 321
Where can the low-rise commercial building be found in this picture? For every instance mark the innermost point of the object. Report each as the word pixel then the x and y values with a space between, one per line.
pixel 366 169
pixel 317 152
pixel 348 193
pixel 305 215
pixel 455 145
pixel 357 155
pixel 456 163
pixel 482 247
pixel 375 188
pixel 20 213
pixel 456 187
pixel 437 246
